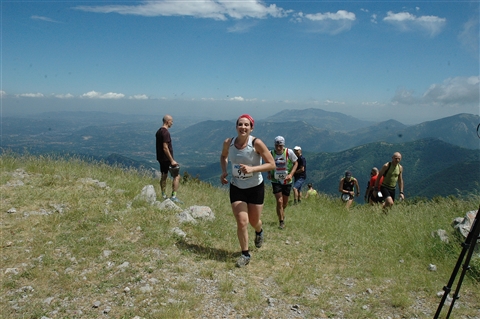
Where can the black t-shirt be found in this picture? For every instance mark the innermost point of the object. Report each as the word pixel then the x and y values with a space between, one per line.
pixel 163 136
pixel 302 162
pixel 348 184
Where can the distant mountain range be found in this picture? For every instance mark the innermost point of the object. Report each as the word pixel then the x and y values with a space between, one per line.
pixel 332 121
pixel 206 137
pixel 441 157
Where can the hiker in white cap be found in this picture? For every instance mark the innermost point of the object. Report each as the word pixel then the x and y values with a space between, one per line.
pixel 282 176
pixel 300 175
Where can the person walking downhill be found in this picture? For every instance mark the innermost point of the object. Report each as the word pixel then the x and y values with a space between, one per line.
pixel 247 189
pixel 282 176
pixel 392 173
pixel 300 175
pixel 165 158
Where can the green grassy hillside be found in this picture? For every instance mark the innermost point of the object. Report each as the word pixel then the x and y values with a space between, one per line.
pixel 444 183
pixel 75 243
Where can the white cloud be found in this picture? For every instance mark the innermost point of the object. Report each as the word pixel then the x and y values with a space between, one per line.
pixel 208 9
pixel 3 93
pixel 404 96
pixel 469 36
pixel 330 102
pixel 64 96
pixel 399 17
pixel 373 103
pixel 237 98
pixel 407 22
pixel 112 95
pixel 98 95
pixel 452 92
pixel 339 15
pixel 31 95
pixel 139 97
pixel 91 94
pixel 330 23
pixel 43 19
pixel 242 26
pixel 455 91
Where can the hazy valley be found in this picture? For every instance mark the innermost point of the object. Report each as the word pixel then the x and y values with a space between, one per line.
pixel 440 157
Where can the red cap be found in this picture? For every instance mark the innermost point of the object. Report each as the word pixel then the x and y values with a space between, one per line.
pixel 248 117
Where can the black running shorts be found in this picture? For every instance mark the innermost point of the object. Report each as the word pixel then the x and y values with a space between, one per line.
pixel 253 195
pixel 388 192
pixel 164 166
pixel 285 189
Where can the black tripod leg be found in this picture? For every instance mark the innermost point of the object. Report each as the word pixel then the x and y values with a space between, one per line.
pixel 474 231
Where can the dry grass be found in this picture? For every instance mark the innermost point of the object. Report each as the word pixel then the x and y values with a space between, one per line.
pixel 103 246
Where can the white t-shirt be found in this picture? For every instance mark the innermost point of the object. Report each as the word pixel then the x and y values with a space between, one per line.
pixel 246 156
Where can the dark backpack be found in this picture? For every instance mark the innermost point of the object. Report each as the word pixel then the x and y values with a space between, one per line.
pixel 389 164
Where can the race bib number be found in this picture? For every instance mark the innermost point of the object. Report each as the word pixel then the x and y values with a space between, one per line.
pixel 237 172
pixel 280 175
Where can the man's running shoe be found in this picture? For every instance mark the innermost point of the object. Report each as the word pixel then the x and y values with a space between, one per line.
pixel 164 196
pixel 242 261
pixel 259 239
pixel 282 225
pixel 176 200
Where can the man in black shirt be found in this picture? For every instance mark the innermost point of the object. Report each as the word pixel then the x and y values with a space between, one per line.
pixel 300 175
pixel 166 160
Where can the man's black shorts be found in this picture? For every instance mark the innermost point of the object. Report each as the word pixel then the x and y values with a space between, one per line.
pixel 388 192
pixel 253 195
pixel 164 166
pixel 285 189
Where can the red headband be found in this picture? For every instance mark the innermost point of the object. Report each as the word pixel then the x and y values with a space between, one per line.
pixel 248 117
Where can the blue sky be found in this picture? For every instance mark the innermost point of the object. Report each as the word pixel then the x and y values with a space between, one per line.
pixel 412 61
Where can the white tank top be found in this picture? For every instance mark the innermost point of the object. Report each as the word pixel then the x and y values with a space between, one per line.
pixel 246 156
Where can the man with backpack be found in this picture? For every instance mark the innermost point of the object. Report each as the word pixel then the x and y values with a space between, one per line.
pixel 392 173
pixel 282 176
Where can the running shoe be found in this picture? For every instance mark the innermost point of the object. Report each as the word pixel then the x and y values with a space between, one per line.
pixel 242 261
pixel 176 200
pixel 259 239
pixel 282 225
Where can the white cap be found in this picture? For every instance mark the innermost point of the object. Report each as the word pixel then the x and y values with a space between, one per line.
pixel 279 140
pixel 297 148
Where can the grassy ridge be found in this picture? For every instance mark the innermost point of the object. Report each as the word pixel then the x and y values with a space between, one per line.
pixel 94 242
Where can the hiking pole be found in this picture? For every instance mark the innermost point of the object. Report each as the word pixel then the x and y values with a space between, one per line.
pixel 468 248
